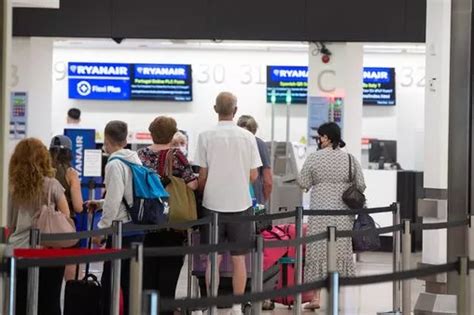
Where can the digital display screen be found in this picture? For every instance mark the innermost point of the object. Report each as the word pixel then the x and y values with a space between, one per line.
pixel 118 81
pixel 287 84
pixel 379 86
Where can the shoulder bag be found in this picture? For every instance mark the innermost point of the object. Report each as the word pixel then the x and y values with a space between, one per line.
pixel 51 221
pixel 353 197
pixel 182 201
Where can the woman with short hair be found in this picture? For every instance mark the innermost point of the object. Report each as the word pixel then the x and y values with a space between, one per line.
pixel 326 174
pixel 162 273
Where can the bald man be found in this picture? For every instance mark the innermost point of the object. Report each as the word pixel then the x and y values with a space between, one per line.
pixel 228 158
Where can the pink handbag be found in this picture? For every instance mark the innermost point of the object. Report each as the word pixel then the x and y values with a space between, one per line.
pixel 51 221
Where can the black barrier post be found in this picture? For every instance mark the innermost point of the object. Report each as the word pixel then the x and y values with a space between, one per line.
pixel 299 258
pixel 214 237
pixel 116 269
pixel 463 291
pixel 150 303
pixel 136 279
pixel 406 264
pixel 190 265
pixel 33 278
pixel 259 265
pixel 254 278
pixel 332 270
pixel 396 259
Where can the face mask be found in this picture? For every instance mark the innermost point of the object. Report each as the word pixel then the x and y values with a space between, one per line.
pixel 183 150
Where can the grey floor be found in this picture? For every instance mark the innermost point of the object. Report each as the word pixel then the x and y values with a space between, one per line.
pixel 363 300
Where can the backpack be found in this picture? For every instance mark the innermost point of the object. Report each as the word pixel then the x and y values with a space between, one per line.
pixel 369 242
pixel 148 195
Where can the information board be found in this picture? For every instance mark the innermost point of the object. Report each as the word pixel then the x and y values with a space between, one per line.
pixel 379 86
pixel 120 81
pixel 287 84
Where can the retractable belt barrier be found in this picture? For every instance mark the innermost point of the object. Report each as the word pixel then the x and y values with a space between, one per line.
pixel 196 303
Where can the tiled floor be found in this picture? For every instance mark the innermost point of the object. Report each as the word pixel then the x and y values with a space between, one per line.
pixel 364 300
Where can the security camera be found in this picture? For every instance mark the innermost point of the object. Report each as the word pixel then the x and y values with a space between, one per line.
pixel 118 40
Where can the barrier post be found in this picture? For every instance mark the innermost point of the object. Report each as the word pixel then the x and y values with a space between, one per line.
pixel 299 258
pixel 333 293
pixel 150 302
pixel 33 278
pixel 463 293
pixel 116 269
pixel 254 280
pixel 190 265
pixel 333 302
pixel 214 258
pixel 471 257
pixel 259 265
pixel 396 259
pixel 11 298
pixel 136 280
pixel 406 264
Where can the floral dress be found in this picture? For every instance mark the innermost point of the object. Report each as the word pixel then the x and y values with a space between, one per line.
pixel 326 173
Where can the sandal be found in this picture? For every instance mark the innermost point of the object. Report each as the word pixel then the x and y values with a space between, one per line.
pixel 268 305
pixel 313 305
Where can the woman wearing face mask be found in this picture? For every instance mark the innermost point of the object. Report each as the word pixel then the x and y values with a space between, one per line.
pixel 180 141
pixel 326 173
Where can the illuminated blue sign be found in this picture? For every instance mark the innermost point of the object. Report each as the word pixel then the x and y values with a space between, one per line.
pixel 118 81
pixel 379 86
pixel 287 83
pixel 103 81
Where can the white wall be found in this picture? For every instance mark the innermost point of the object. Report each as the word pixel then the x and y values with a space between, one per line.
pixel 213 71
pixel 403 122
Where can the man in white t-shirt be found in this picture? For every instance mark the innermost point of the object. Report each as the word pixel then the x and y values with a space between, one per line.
pixel 228 158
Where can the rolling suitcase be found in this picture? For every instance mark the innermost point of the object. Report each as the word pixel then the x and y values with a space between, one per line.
pixel 83 297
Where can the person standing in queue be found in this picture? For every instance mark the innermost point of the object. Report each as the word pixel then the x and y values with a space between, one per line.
pixel 118 182
pixel 60 150
pixel 162 273
pixel 31 186
pixel 228 159
pixel 326 173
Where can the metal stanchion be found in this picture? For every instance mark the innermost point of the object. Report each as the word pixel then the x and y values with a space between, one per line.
pixel 333 293
pixel 396 260
pixel 136 280
pixel 299 258
pixel 190 265
pixel 463 293
pixel 33 278
pixel 259 274
pixel 406 264
pixel 471 257
pixel 116 269
pixel 333 302
pixel 150 303
pixel 214 256
pixel 10 299
pixel 254 280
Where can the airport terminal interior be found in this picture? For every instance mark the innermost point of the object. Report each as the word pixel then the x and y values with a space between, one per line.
pixel 143 119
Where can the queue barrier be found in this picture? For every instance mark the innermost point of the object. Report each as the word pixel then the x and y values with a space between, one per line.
pixel 116 255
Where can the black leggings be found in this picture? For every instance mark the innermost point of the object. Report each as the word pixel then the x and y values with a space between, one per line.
pixel 49 294
pixel 162 273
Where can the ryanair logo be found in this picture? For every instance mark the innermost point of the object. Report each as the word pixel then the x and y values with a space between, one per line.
pixel 98 70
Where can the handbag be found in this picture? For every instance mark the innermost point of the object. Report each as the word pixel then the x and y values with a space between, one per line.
pixel 182 202
pixel 51 221
pixel 353 197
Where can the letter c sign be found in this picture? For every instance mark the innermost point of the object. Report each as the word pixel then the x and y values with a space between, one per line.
pixel 321 81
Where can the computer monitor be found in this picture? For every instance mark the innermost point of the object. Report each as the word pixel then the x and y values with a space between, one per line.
pixel 383 151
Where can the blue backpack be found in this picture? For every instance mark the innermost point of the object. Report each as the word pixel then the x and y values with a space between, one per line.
pixel 148 195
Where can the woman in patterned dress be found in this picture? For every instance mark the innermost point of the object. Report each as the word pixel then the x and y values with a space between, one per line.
pixel 326 173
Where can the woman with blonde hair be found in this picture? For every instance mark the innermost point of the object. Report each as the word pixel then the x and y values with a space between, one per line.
pixel 32 185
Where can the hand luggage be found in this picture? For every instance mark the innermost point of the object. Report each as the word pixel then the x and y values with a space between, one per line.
pixel 83 297
pixel 272 255
pixel 287 267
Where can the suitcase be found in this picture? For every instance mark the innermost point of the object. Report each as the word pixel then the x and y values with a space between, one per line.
pixel 272 255
pixel 83 297
pixel 287 268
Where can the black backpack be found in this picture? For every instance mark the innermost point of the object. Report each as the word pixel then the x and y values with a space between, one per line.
pixel 368 242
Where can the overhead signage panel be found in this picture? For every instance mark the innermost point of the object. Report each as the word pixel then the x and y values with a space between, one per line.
pixel 103 81
pixel 167 82
pixel 287 84
pixel 379 86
